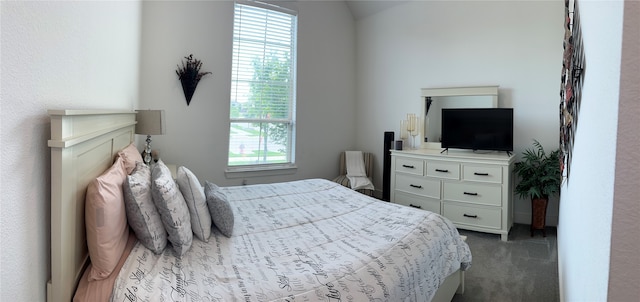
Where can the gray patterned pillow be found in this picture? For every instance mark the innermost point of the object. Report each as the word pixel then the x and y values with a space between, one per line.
pixel 220 209
pixel 142 215
pixel 172 207
pixel 193 194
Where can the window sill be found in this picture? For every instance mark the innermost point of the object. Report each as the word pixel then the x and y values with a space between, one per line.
pixel 260 170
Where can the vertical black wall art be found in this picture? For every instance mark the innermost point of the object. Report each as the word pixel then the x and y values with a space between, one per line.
pixel 189 75
pixel 573 69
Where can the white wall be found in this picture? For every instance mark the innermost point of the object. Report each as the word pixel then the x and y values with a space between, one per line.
pixel 54 55
pixel 198 134
pixel 584 232
pixel 421 44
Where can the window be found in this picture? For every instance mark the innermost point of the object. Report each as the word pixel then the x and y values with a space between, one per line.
pixel 262 109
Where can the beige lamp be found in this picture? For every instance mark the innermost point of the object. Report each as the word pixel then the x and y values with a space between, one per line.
pixel 149 122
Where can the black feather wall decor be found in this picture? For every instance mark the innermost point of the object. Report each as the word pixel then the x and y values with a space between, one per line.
pixel 189 75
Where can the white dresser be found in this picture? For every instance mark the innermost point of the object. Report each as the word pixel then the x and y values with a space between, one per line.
pixel 474 190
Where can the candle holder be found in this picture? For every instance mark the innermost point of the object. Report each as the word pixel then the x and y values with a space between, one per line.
pixel 412 128
pixel 414 134
pixel 403 130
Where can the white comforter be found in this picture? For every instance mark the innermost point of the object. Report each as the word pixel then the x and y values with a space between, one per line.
pixel 309 240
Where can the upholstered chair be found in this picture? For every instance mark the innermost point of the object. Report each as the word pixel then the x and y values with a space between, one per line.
pixel 368 168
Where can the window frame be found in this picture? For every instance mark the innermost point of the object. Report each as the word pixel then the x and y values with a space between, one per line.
pixel 268 169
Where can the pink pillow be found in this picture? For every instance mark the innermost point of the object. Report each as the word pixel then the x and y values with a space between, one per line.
pixel 100 290
pixel 106 220
pixel 131 155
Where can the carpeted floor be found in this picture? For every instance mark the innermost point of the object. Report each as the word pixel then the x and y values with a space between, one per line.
pixel 524 268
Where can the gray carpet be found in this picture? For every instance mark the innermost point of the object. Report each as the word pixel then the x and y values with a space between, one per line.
pixel 524 268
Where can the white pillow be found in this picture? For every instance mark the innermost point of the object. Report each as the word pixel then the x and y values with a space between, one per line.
pixel 142 215
pixel 193 194
pixel 172 208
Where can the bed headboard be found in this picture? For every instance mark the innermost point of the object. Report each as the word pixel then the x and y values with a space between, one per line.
pixel 83 144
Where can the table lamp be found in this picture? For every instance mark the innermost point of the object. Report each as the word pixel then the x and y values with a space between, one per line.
pixel 149 122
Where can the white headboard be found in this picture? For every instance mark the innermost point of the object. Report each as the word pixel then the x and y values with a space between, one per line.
pixel 83 145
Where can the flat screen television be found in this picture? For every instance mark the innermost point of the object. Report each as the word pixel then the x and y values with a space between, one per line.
pixel 477 128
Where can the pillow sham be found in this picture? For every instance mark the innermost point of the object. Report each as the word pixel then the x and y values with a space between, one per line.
pixel 142 214
pixel 193 194
pixel 131 156
pixel 106 220
pixel 172 208
pixel 220 209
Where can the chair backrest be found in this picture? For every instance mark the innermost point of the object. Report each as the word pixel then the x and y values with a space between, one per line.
pixel 368 163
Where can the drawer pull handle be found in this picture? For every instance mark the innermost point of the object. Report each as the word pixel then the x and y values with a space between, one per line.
pixel 480 174
pixel 409 166
pixel 469 193
pixel 442 170
pixel 415 186
pixel 470 216
pixel 415 206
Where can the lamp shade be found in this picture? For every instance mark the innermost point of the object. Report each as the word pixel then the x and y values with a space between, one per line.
pixel 150 122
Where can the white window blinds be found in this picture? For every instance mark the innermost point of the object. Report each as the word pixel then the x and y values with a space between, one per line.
pixel 262 87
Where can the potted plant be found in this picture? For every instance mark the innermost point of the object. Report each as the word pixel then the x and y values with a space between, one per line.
pixel 540 177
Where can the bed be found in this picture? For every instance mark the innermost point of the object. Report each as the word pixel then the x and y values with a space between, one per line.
pixel 306 240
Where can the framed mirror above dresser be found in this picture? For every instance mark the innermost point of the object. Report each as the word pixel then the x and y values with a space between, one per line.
pixel 472 188
pixel 436 99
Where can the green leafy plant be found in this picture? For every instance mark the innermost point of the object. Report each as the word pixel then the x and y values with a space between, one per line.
pixel 539 173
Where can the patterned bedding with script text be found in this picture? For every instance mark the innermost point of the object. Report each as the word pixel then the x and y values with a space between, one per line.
pixel 308 240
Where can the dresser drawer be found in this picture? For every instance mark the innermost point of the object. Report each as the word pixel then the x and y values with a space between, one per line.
pixel 474 216
pixel 443 170
pixel 474 193
pixel 420 202
pixel 410 165
pixel 418 185
pixel 482 173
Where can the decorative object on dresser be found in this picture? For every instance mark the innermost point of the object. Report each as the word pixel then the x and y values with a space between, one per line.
pixel 398 145
pixel 540 177
pixel 189 75
pixel 403 133
pixel 412 127
pixel 149 122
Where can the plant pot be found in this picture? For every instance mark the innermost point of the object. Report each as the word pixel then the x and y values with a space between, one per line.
pixel 539 214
